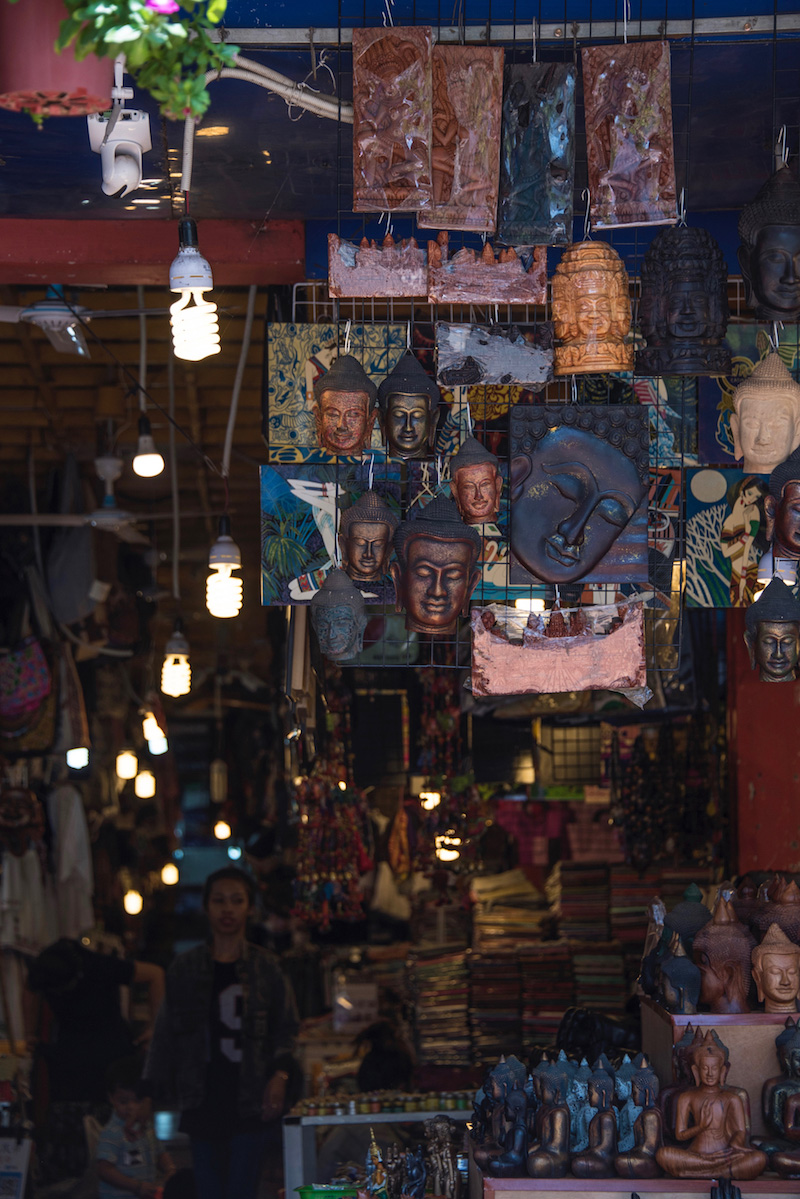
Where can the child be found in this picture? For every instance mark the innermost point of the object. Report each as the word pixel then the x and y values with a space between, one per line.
pixel 127 1156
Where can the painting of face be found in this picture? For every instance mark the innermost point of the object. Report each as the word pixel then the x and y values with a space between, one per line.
pixel 687 310
pixel 764 431
pixel 476 490
pixel 344 423
pixel 572 495
pixel 338 632
pixel 437 582
pixel 366 548
pixel 786 538
pixel 407 425
pixel 777 650
pixel 775 270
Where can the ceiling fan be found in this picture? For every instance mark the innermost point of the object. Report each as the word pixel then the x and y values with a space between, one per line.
pixel 62 322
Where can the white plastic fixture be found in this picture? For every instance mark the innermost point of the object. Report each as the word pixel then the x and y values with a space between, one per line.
pixel 144 785
pixel 176 673
pixel 78 758
pixel 127 764
pixel 222 830
pixel 132 902
pixel 224 589
pixel 195 328
pixel 170 874
pixel 120 138
pixel 147 462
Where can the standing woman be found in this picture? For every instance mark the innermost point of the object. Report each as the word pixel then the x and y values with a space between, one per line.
pixel 223 1040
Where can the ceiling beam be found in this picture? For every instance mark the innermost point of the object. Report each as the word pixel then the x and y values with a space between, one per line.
pixel 140 251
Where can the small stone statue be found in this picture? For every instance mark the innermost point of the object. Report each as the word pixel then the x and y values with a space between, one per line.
pixel 772 633
pixel 580 1111
pixel 780 1102
pixel 441 1138
pixel 490 1136
pixel 339 617
pixel 597 1161
pixel 680 980
pixel 409 404
pixel 366 529
pixel 510 1163
pixel 475 482
pixel 548 1155
pixel 683 310
pixel 712 1118
pixel 626 1109
pixel 769 229
pixel 591 310
pixel 648 1135
pixel 776 971
pixel 415 1174
pixel 436 569
pixel 722 951
pixel 344 407
pixel 765 423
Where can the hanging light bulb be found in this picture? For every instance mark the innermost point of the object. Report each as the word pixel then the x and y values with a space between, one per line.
pixel 144 785
pixel 147 462
pixel 78 758
pixel 132 902
pixel 195 329
pixel 169 874
pixel 158 746
pixel 127 764
pixel 430 800
pixel 176 673
pixel 150 727
pixel 218 781
pixel 222 830
pixel 224 590
pixel 234 852
pixel 446 850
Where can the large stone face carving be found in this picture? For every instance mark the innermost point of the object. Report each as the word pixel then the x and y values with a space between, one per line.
pixel 772 634
pixel 591 311
pixel 628 109
pixel 436 569
pixel 339 617
pixel 683 309
pixel 769 228
pixel 344 407
pixel 579 474
pixel 766 421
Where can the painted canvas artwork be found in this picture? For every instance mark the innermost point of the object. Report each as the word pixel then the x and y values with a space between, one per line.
pixel 299 520
pixel 725 537
pixel 296 356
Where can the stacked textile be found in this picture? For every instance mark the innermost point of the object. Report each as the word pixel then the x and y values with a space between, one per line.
pixel 599 975
pixel 439 989
pixel 579 897
pixel 495 1013
pixel 547 990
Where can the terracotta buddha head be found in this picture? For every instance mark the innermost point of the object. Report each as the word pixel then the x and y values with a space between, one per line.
pixel 765 423
pixel 769 229
pixel 436 569
pixel 776 971
pixel 339 617
pixel 772 633
pixel 475 482
pixel 409 404
pixel 344 407
pixel 366 529
pixel 722 951
pixel 683 310
pixel 591 310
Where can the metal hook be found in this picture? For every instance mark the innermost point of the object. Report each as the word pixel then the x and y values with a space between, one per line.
pixel 781 149
pixel 371 471
pixel 388 4
pixel 438 470
pixel 574 390
pixel 533 40
pixel 347 337
pixel 682 209
pixel 587 218
pixel 408 335
pixel 313 52
pixel 626 16
pixel 775 340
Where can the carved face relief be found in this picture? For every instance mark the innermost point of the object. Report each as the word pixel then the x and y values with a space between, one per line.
pixel 594 314
pixel 339 631
pixel 709 1069
pixel 778 980
pixel 687 310
pixel 773 270
pixel 476 490
pixel 572 496
pixel 775 650
pixel 366 549
pixel 765 431
pixel 436 583
pixel 407 425
pixel 786 517
pixel 344 422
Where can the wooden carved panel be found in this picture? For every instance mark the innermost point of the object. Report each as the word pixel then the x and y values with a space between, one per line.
pixel 367 270
pixel 392 100
pixel 472 278
pixel 628 102
pixel 465 146
pixel 538 155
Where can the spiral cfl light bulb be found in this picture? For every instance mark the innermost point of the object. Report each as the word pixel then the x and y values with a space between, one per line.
pixel 195 328
pixel 223 593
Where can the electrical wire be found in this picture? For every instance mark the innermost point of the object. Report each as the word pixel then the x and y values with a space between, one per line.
pixel 237 383
pixel 173 470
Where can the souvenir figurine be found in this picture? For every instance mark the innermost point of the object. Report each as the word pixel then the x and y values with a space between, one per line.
pixel 367 270
pixel 712 1118
pixel 578 474
pixel 376 1175
pixel 510 1162
pixel 409 404
pixel 625 1107
pixel 746 903
pixel 776 971
pixel 782 507
pixel 597 1161
pixel 769 229
pixel 780 1103
pixel 490 1136
pixel 765 423
pixel 580 1111
pixel 548 1155
pixel 394 1171
pixel 680 980
pixel 722 951
pixel 683 308
pixel 366 529
pixel 688 916
pixel 682 1073
pixel 436 569
pixel 783 910
pixel 648 1134
pixel 441 1157
pixel 415 1174
pixel 344 407
pixel 772 633
pixel 339 617
pixel 475 482
pixel 591 311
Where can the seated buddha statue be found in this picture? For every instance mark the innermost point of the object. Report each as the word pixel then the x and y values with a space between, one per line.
pixel 648 1136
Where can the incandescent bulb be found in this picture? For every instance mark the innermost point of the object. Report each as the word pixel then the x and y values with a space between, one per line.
pixel 223 593
pixel 150 727
pixel 169 874
pixel 144 785
pixel 147 462
pixel 132 902
pixel 127 764
pixel 78 758
pixel 222 830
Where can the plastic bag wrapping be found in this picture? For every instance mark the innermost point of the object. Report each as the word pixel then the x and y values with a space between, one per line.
pixel 598 647
pixel 392 103
pixel 470 277
pixel 366 270
pixel 628 107
pixel 465 138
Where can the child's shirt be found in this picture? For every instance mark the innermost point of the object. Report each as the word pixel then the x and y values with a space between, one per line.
pixel 135 1159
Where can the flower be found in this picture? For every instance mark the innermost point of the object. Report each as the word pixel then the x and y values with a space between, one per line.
pixel 165 7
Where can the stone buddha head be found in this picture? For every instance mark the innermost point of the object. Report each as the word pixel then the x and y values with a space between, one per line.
pixel 683 310
pixel 722 951
pixel 782 507
pixel 591 310
pixel 436 569
pixel 339 617
pixel 787 1045
pixel 772 633
pixel 645 1085
pixel 475 482
pixel 769 230
pixel 776 971
pixel 366 529
pixel 409 404
pixel 680 980
pixel 344 407
pixel 765 422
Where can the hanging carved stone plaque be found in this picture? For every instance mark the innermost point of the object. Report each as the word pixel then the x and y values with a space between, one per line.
pixel 628 106
pixel 470 354
pixel 465 138
pixel 470 277
pixel 392 99
pixel 591 311
pixel 367 270
pixel 537 162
